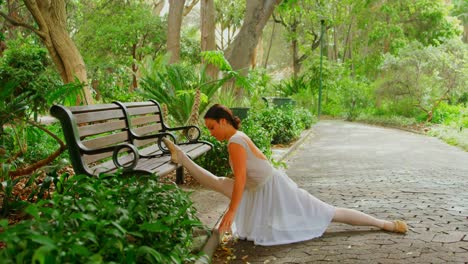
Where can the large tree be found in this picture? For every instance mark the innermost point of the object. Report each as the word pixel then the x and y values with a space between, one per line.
pixel 174 23
pixel 51 27
pixel 177 10
pixel 257 13
pixel 208 41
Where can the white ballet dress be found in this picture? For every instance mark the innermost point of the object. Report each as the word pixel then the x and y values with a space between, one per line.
pixel 273 209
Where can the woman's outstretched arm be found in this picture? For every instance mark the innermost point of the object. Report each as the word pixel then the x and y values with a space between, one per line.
pixel 238 157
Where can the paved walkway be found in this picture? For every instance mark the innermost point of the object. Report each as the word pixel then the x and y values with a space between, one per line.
pixel 387 173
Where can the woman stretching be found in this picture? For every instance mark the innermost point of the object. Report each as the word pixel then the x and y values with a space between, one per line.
pixel 266 206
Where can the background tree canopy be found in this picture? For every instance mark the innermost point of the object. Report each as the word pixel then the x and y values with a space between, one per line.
pixel 386 60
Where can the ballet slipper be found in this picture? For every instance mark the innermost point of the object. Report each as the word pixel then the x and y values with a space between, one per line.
pixel 172 149
pixel 399 227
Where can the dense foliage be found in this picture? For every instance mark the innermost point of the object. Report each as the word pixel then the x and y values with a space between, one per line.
pixel 102 220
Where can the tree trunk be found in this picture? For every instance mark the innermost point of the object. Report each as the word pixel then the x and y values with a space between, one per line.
pixel 258 53
pixel 295 55
pixel 465 32
pixel 134 83
pixel 257 13
pixel 174 23
pixel 207 16
pixel 50 17
pixel 158 6
pixel 269 45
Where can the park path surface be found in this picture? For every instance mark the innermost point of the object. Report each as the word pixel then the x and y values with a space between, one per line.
pixel 384 172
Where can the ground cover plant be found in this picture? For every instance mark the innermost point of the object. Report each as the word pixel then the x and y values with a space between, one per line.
pixel 104 219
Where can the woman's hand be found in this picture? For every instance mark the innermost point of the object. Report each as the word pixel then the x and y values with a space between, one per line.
pixel 226 223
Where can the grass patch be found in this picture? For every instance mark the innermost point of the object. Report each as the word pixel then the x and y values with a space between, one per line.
pixel 453 135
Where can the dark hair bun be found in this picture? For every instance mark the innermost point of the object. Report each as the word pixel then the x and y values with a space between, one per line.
pixel 218 112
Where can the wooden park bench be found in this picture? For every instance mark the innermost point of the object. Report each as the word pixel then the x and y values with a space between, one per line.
pixel 127 137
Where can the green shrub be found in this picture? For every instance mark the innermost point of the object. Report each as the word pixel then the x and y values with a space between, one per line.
pixel 217 160
pixel 281 122
pixel 104 219
pixel 305 117
pixel 26 66
pixel 259 135
pixel 446 114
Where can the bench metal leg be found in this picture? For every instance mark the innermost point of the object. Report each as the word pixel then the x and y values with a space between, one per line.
pixel 180 175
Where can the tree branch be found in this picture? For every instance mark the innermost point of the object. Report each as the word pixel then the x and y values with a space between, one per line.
pixel 17 23
pixel 36 13
pixel 29 169
pixel 189 7
pixel 41 127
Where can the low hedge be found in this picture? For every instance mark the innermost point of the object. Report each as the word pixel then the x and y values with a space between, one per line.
pixel 104 219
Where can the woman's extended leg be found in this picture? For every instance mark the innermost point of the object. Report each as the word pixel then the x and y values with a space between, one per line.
pixel 220 184
pixel 353 217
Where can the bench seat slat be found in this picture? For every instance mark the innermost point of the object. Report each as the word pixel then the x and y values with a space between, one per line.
pixel 161 166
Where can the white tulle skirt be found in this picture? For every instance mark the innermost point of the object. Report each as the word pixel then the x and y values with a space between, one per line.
pixel 279 212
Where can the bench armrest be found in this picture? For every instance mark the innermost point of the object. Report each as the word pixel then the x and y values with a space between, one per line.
pixel 191 133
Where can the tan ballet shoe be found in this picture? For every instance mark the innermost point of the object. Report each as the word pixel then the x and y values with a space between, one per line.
pixel 400 227
pixel 172 149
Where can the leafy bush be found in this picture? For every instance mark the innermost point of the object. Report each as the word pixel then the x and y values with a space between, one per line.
pixel 446 114
pixel 292 85
pixel 105 219
pixel 217 160
pixel 259 135
pixel 281 122
pixel 305 117
pixel 26 66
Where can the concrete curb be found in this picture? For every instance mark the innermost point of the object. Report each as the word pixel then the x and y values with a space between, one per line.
pixel 214 239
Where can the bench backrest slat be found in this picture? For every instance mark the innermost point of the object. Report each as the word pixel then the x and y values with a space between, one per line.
pixel 143 110
pixel 143 120
pixel 98 116
pixel 99 128
pixel 107 140
pixel 88 108
pixel 145 130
